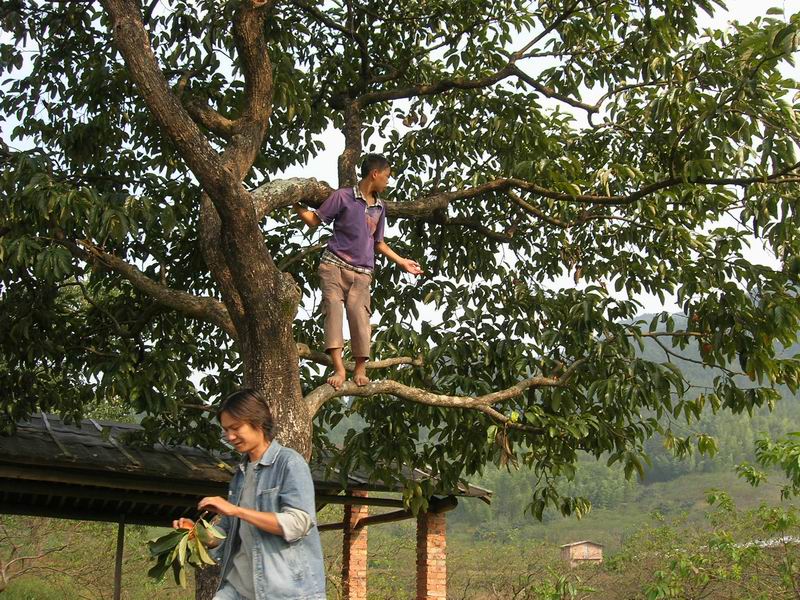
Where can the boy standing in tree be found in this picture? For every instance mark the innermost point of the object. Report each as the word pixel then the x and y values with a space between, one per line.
pixel 345 271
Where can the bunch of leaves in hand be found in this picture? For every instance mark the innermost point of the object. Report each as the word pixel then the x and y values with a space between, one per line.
pixel 180 546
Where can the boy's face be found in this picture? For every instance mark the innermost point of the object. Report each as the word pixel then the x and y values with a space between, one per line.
pixel 381 178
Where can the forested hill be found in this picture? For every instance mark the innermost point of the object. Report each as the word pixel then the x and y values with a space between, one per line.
pixel 608 488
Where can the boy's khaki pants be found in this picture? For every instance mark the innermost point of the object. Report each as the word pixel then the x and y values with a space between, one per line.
pixel 343 288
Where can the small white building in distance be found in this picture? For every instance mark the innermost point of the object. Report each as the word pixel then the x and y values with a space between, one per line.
pixel 582 553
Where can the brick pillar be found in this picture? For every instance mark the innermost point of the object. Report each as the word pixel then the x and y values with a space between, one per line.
pixel 354 552
pixel 431 556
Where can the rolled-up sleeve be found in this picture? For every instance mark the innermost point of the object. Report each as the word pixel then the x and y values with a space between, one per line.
pixel 294 522
pixel 297 491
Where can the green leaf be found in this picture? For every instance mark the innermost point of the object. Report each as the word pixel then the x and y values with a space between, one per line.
pixel 166 542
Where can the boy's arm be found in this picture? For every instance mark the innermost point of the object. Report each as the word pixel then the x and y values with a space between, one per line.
pixel 309 217
pixel 408 265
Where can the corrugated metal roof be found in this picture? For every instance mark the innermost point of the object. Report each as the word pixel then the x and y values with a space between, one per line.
pixel 87 470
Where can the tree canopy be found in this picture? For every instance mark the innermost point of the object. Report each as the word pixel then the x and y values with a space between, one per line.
pixel 146 235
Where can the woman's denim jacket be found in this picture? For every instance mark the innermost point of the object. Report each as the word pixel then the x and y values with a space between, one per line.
pixel 282 570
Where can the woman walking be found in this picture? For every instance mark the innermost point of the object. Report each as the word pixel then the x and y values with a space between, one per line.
pixel 272 549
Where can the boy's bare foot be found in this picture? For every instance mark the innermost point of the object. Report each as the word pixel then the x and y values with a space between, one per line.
pixel 360 372
pixel 337 379
pixel 360 379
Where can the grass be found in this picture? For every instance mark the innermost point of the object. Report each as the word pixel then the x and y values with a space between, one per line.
pixel 499 551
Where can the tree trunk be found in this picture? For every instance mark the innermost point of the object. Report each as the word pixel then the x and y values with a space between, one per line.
pixel 271 367
pixel 348 160
pixel 264 334
pixel 205 582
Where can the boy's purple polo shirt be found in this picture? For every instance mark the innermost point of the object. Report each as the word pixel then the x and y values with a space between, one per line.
pixel 356 226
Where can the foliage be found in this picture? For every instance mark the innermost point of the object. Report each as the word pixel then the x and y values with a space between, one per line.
pixel 26 550
pixel 783 453
pixel 614 143
pixel 175 549
pixel 84 569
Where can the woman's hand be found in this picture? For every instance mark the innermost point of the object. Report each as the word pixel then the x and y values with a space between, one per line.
pixel 218 505
pixel 182 523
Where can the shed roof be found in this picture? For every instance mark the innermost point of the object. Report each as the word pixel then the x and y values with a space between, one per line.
pixel 581 543
pixel 87 471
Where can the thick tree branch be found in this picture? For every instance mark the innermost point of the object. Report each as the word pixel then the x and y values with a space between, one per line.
pixel 325 392
pixel 353 148
pixel 133 42
pixel 252 287
pixel 207 309
pixel 427 205
pixel 210 244
pixel 281 193
pixel 251 46
pixel 423 207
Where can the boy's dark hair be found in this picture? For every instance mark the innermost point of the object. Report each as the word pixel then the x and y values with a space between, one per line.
pixel 249 406
pixel 371 162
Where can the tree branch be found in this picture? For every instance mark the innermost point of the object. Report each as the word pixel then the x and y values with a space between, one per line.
pixel 251 46
pixel 281 193
pixel 290 260
pixel 439 87
pixel 551 93
pixel 209 118
pixel 669 353
pixel 546 31
pixel 446 85
pixel 205 308
pixel 320 16
pixel 658 334
pixel 39 556
pixel 440 201
pixel 133 42
pixel 325 392
pixel 517 199
pixel 440 218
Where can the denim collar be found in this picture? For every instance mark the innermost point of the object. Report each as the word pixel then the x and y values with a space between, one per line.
pixel 267 459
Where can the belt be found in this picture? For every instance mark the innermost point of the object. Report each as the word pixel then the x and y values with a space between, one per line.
pixel 330 258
